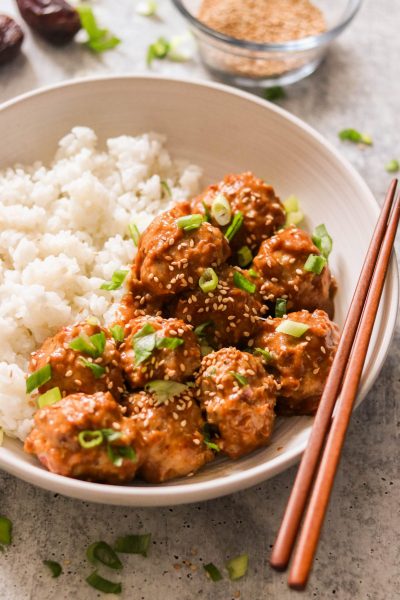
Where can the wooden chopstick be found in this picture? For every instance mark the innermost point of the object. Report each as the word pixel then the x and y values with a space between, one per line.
pixel 310 532
pixel 295 508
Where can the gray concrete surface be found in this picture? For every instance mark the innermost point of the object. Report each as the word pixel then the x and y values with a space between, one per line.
pixel 358 557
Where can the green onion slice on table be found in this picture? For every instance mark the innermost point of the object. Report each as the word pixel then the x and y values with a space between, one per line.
pixel 237 567
pixel 103 585
pixel 54 567
pixel 5 531
pixel 213 572
pixel 133 544
pixel 103 553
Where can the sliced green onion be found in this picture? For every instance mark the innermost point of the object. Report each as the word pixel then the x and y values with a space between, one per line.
pixel 322 240
pixel 253 273
pixel 274 93
pixel 134 233
pixel 207 433
pixel 133 544
pixel 93 321
pixel 237 567
pixel 55 567
pixel 165 390
pixel 99 342
pixel 234 227
pixel 90 438
pixel 280 307
pixel 97 370
pixel 352 135
pixel 169 342
pixel 291 204
pixel 165 186
pixel 315 264
pixel 38 378
pixel 117 279
pixel 5 531
pixel 243 284
pixel 93 345
pixel 241 379
pixel 244 256
pixel 99 40
pixel 266 354
pixel 293 328
pixel 393 166
pixel 190 222
pixel 111 435
pixel 221 210
pixel 158 50
pixel 208 281
pixel 213 572
pixel 103 585
pixel 118 333
pixel 117 454
pixel 146 8
pixel 179 50
pixel 294 218
pixel 200 329
pixel 103 553
pixel 212 446
pixel 207 213
pixel 49 398
pixel 205 349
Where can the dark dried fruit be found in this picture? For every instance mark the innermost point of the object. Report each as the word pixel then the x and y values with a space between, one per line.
pixel 55 20
pixel 11 37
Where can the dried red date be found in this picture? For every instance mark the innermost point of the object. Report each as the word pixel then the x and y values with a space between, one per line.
pixel 55 20
pixel 11 38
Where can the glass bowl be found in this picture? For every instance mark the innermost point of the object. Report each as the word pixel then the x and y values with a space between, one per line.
pixel 253 64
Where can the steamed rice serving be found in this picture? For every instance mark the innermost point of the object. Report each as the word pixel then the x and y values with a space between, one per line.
pixel 64 231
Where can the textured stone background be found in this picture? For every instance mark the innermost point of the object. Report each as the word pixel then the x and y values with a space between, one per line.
pixel 358 558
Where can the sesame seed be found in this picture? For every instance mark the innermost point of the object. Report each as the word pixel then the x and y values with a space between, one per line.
pixel 183 423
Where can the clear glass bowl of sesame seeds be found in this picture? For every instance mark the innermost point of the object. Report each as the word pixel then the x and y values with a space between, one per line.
pixel 228 33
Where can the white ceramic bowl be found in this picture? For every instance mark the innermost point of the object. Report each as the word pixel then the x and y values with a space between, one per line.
pixel 224 130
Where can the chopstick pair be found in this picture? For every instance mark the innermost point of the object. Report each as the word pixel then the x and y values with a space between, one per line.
pixel 319 463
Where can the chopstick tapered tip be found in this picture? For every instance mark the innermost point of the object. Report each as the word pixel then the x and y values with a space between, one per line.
pixel 297 585
pixel 278 565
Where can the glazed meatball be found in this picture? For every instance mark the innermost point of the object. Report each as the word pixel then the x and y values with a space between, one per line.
pixel 137 303
pixel 262 211
pixel 56 441
pixel 280 262
pixel 238 397
pixel 93 368
pixel 171 435
pixel 170 259
pixel 230 315
pixel 156 348
pixel 300 364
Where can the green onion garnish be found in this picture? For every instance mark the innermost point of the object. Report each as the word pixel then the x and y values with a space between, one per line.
pixel 165 390
pixel 190 222
pixel 352 135
pixel 38 378
pixel 266 354
pixel 280 307
pixel 293 328
pixel 103 585
pixel 207 214
pixel 117 454
pixel 93 321
pixel 146 8
pixel 97 370
pixel 294 214
pixel 274 93
pixel 237 567
pixel 208 281
pixel 143 343
pixel 158 50
pixel 294 218
pixel 243 284
pixel 393 166
pixel 322 240
pixel 134 233
pixel 118 333
pixel 253 273
pixel 213 572
pixel 50 397
pixel 169 342
pixel 241 379
pixel 221 210
pixel 200 329
pixel 234 227
pixel 55 567
pixel 111 435
pixel 244 256
pixel 93 346
pixel 133 544
pixel 315 264
pixel 99 40
pixel 207 433
pixel 165 186
pixel 5 531
pixel 117 279
pixel 205 349
pixel 90 438
pixel 103 553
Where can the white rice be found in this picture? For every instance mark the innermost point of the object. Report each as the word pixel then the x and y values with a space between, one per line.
pixel 63 231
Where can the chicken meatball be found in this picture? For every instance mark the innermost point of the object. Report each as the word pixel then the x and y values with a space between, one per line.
pixel 280 262
pixel 262 211
pixel 171 259
pixel 229 314
pixel 86 437
pixel 238 397
pixel 171 435
pixel 300 364
pixel 156 348
pixel 137 303
pixel 83 358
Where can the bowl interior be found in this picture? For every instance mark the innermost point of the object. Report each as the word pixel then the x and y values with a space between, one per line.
pixel 223 131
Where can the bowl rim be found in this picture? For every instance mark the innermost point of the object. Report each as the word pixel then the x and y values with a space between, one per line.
pixel 174 494
pixel 306 43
